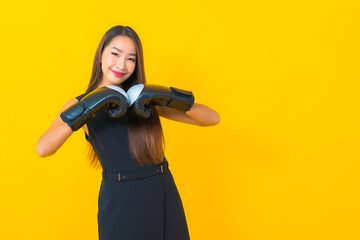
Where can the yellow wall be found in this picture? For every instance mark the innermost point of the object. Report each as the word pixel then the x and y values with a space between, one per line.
pixel 283 76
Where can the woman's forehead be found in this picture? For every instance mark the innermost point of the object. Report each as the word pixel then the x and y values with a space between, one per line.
pixel 123 43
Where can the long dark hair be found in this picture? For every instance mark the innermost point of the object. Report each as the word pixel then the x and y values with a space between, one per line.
pixel 146 139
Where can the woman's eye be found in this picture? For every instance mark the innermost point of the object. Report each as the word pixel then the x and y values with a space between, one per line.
pixel 115 53
pixel 132 59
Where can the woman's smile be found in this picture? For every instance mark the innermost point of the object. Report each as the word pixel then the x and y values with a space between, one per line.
pixel 117 74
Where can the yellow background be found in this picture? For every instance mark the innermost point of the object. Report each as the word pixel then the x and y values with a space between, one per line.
pixel 283 75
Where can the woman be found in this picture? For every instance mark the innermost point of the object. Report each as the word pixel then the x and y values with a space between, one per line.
pixel 119 113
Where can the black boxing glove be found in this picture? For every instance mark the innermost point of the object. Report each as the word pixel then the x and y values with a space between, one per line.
pixel 141 97
pixel 111 99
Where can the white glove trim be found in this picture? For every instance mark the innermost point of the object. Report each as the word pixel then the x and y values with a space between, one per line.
pixel 134 92
pixel 120 90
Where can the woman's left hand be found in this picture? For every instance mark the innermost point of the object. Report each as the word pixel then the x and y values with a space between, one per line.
pixel 143 96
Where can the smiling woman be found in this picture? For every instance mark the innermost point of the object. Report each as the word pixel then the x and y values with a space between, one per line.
pixel 116 63
pixel 138 197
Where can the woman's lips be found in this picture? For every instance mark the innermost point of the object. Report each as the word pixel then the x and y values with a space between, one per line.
pixel 118 74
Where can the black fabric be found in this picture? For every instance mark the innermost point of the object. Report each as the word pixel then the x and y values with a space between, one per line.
pixel 128 176
pixel 141 209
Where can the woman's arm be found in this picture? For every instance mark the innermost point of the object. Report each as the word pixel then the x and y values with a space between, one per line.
pixel 56 135
pixel 199 114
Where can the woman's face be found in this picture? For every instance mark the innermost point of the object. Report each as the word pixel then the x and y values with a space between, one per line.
pixel 118 61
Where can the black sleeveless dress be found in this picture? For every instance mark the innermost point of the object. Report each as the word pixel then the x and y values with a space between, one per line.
pixel 141 209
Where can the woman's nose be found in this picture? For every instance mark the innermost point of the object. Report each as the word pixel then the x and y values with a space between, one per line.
pixel 121 64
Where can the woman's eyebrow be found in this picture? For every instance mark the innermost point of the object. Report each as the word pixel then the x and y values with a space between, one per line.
pixel 133 54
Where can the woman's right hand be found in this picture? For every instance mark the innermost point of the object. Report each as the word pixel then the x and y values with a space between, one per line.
pixel 59 131
pixel 111 99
